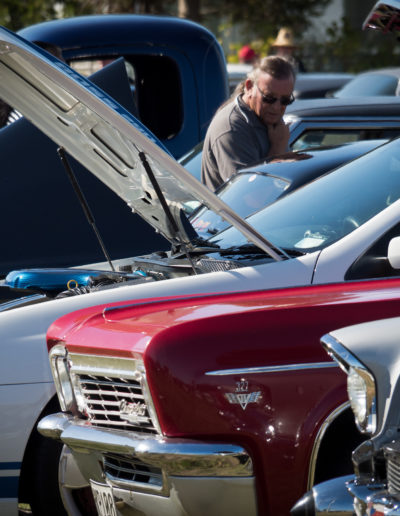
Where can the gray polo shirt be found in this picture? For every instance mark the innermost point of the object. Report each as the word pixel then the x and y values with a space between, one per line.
pixel 235 139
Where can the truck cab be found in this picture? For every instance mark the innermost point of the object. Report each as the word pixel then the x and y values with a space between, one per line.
pixel 177 68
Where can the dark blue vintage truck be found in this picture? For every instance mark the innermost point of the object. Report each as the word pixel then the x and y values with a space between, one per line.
pixel 176 67
pixel 173 78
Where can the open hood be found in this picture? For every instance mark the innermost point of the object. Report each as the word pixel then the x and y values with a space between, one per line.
pixel 106 139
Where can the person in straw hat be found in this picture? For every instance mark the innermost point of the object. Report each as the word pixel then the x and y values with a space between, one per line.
pixel 285 46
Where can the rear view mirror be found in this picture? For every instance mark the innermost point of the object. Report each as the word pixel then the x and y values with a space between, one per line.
pixel 394 253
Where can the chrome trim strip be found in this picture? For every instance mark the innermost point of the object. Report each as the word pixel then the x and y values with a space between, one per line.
pixel 318 440
pixel 339 353
pixel 180 457
pixel 23 301
pixel 99 365
pixel 272 369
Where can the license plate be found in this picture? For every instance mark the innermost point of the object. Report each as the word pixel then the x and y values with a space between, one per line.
pixel 104 499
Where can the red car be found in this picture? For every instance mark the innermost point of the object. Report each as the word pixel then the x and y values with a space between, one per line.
pixel 208 404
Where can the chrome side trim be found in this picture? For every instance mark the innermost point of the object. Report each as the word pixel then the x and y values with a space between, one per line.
pixel 181 457
pixel 23 301
pixel 272 369
pixel 318 440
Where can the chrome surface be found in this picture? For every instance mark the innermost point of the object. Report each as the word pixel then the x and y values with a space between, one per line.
pixel 392 456
pixel 124 470
pixel 23 301
pixel 112 392
pixel 176 456
pixel 272 369
pixel 347 361
pixel 364 493
pixel 330 497
pixel 318 441
pixel 53 425
pixel 196 496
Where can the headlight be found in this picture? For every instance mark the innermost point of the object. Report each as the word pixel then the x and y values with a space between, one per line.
pixel 60 369
pixel 360 384
pixel 362 396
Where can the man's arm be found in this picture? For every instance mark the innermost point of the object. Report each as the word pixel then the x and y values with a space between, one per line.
pixel 278 135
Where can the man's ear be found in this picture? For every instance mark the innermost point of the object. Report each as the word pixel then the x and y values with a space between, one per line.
pixel 248 84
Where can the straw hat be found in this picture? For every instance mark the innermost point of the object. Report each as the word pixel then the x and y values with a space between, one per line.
pixel 284 39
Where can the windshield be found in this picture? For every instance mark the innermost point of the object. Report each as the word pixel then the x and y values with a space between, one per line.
pixel 245 193
pixel 324 211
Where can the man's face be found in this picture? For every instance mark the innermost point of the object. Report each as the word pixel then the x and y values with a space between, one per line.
pixel 265 88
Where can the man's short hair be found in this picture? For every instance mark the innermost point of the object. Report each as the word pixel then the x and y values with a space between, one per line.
pixel 276 66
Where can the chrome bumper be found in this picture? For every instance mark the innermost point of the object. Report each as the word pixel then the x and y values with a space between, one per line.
pixel 330 497
pixel 193 473
pixel 373 499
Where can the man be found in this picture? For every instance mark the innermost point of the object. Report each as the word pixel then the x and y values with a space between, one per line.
pixel 250 127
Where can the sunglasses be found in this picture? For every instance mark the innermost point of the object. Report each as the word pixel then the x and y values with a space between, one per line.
pixel 270 99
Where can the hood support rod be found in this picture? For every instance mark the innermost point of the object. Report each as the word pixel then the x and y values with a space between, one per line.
pixel 164 204
pixel 83 202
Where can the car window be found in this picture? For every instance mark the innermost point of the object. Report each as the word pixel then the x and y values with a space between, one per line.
pixel 332 136
pixel 158 103
pixel 324 211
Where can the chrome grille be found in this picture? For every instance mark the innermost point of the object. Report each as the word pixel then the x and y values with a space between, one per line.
pixel 104 395
pixel 112 393
pixel 120 470
pixel 392 455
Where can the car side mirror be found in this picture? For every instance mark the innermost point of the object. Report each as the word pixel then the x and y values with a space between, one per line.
pixel 384 16
pixel 394 253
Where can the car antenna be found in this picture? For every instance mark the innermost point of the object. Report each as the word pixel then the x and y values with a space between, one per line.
pixel 83 202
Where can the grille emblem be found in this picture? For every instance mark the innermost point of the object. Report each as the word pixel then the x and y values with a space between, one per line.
pixel 132 412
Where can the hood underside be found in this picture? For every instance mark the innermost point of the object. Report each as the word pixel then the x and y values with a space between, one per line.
pixel 109 141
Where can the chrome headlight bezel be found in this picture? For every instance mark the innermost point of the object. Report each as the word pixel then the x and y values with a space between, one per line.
pixel 361 385
pixel 60 368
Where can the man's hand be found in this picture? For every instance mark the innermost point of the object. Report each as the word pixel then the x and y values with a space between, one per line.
pixel 278 138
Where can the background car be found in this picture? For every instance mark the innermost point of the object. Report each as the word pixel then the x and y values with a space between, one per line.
pixel 373 388
pixel 35 183
pixel 320 122
pixel 186 55
pixel 332 121
pixel 384 81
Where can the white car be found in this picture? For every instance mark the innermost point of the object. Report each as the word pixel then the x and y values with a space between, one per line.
pixel 334 229
pixel 369 355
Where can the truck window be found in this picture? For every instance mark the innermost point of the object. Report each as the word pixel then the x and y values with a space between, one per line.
pixel 156 88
